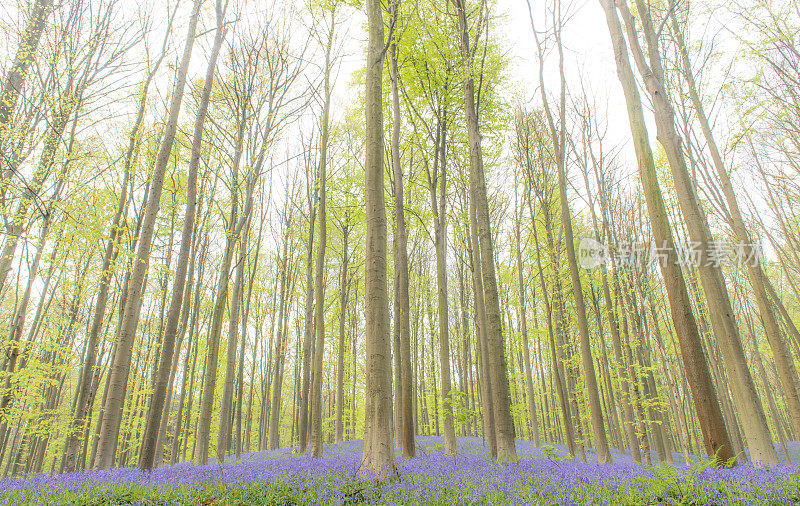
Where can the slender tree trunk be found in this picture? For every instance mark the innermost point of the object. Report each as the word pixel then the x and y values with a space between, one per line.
pixel 402 324
pixel 715 435
pixel 344 289
pixel 440 235
pixel 657 424
pixel 226 405
pixel 534 425
pixel 240 378
pixel 309 327
pixel 400 299
pixel 112 417
pixel 148 458
pixel 236 225
pixel 487 408
pixel 275 410
pixel 319 284
pixel 181 332
pixel 754 422
pixel 504 424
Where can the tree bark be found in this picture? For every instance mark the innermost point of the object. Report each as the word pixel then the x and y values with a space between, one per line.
pixel 439 205
pixel 504 424
pixel 378 447
pixel 402 324
pixel 319 284
pixel 344 289
pixel 226 404
pixel 112 417
pixel 280 344
pixel 18 73
pixel 487 408
pixel 309 327
pixel 148 458
pixel 534 425
pixel 715 435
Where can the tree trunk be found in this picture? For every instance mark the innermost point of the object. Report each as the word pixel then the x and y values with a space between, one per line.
pixel 277 382
pixel 402 324
pixel 402 321
pixel 503 422
pixel 226 405
pixel 148 458
pixel 112 417
pixel 487 408
pixel 558 138
pixel 715 435
pixel 18 73
pixel 344 289
pixel 309 327
pixel 378 447
pixel 440 240
pixel 534 425
pixel 319 284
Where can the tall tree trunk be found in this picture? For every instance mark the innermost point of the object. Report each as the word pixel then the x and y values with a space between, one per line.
pixel 402 324
pixel 557 331
pixel 280 346
pixel 534 426
pixel 148 457
pixel 487 408
pixel 656 420
pixel 378 447
pixel 723 321
pixel 602 230
pixel 191 372
pixel 309 326
pixel 439 206
pixel 238 445
pixel 226 405
pixel 191 350
pixel 344 289
pixel 715 435
pixel 319 284
pixel 112 416
pixel 614 324
pixel 503 422
pixel 181 332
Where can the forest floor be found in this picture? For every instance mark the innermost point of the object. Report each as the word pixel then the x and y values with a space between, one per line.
pixel 542 476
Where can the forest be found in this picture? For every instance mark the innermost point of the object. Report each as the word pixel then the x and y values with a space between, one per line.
pixel 400 252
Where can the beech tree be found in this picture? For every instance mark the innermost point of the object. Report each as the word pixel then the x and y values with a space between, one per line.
pixel 179 286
